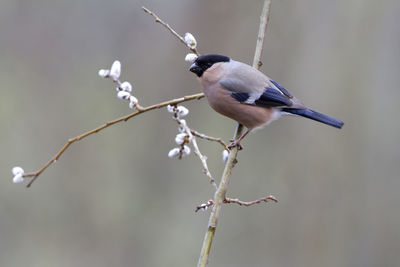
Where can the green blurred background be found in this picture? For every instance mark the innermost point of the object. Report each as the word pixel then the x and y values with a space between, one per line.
pixel 116 199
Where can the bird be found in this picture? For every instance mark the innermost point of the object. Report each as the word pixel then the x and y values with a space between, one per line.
pixel 246 95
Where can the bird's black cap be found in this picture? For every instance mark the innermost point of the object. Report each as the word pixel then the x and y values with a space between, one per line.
pixel 202 63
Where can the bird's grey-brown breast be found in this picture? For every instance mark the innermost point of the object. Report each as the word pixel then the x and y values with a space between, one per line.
pixel 249 115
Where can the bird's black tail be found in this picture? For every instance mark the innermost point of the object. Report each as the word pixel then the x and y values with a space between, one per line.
pixel 314 115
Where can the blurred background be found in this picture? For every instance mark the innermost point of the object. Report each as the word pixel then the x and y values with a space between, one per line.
pixel 116 199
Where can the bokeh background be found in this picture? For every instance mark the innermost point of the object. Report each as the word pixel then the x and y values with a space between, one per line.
pixel 116 199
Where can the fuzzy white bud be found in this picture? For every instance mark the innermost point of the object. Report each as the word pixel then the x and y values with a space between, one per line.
pixel 173 153
pixel 180 138
pixel 17 170
pixel 186 150
pixel 115 70
pixel 190 40
pixel 171 109
pixel 133 99
pixel 18 178
pixel 182 111
pixel 225 155
pixel 125 86
pixel 104 73
pixel 190 57
pixel 123 95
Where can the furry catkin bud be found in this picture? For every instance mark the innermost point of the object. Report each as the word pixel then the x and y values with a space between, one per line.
pixel 123 95
pixel 173 153
pixel 190 57
pixel 115 70
pixel 190 40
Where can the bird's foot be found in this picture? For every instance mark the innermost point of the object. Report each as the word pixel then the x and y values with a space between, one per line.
pixel 235 143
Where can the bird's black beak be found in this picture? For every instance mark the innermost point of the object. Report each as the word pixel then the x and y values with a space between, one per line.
pixel 196 69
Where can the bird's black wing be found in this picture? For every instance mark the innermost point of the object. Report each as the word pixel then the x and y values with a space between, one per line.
pixel 273 98
pixel 257 92
pixel 282 89
pixel 269 98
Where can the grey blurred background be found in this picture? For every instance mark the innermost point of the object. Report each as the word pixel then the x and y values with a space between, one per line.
pixel 116 199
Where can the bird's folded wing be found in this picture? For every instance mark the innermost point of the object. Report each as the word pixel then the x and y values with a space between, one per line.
pixel 272 98
pixel 269 97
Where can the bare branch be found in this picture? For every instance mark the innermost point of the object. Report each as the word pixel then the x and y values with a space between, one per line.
pixel 210 138
pixel 261 34
pixel 250 203
pixel 141 110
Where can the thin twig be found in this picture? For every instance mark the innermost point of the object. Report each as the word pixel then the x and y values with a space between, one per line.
pixel 190 132
pixel 141 110
pixel 220 195
pixel 209 138
pixel 250 203
pixel 166 25
pixel 202 158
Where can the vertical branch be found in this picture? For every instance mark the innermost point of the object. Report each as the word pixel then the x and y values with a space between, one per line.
pixel 261 34
pixel 218 201
pixel 223 186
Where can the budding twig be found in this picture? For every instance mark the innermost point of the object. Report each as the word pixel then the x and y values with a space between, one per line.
pixel 36 174
pixel 209 138
pixel 191 138
pixel 114 72
pixel 250 203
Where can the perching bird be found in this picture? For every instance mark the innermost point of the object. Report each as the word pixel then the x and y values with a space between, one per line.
pixel 247 96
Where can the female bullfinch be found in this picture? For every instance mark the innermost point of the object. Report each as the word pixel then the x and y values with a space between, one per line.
pixel 244 94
